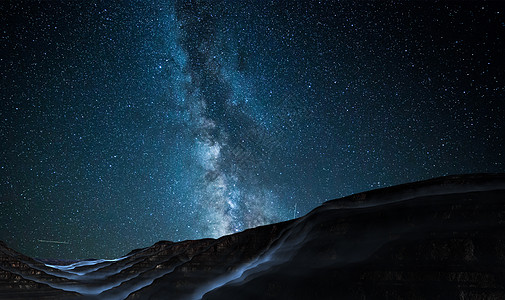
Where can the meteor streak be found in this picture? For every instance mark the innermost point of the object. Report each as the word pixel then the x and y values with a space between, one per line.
pixel 54 242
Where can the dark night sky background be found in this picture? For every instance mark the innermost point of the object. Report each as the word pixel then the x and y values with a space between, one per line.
pixel 124 123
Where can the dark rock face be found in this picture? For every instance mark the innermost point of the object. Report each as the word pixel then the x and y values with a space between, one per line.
pixel 437 239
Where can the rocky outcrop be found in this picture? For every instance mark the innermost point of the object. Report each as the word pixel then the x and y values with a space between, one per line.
pixel 442 238
pixel 21 278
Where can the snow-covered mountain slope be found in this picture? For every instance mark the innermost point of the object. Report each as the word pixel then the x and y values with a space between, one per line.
pixel 440 238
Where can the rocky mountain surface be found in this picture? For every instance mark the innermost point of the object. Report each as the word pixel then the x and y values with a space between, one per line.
pixel 437 239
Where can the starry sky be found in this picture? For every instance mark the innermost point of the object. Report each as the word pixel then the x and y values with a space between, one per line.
pixel 128 122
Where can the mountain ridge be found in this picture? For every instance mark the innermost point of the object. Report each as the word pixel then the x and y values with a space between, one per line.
pixel 442 237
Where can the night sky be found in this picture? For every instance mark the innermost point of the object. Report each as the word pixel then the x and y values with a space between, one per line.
pixel 122 124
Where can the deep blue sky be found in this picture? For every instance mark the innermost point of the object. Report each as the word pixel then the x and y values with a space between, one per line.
pixel 125 124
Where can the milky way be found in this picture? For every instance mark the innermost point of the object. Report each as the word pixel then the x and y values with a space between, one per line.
pixel 125 124
pixel 210 101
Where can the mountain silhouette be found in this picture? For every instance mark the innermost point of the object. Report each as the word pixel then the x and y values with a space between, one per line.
pixel 442 238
